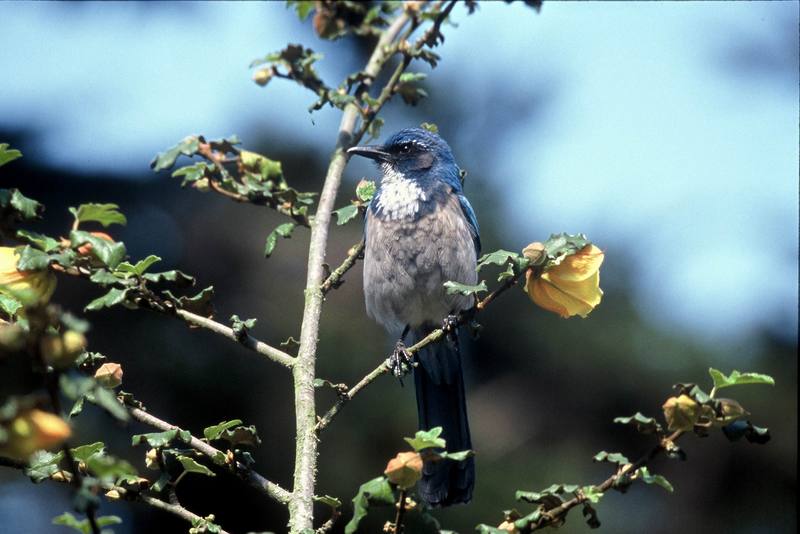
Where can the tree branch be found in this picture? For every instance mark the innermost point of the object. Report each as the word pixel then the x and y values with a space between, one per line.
pixel 433 337
pixel 334 280
pixel 254 479
pixel 301 507
pixel 274 354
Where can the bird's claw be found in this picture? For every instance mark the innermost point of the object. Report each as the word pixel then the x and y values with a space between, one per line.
pixel 450 324
pixel 400 362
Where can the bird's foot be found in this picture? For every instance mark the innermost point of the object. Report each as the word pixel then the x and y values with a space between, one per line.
pixel 450 324
pixel 400 362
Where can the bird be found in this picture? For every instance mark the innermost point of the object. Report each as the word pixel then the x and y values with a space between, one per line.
pixel 420 232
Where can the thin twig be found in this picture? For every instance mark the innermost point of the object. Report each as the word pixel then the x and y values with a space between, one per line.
pixel 433 337
pixel 556 514
pixel 401 511
pixel 247 340
pixel 334 280
pixel 254 479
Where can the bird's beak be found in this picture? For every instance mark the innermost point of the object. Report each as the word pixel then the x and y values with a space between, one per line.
pixel 372 152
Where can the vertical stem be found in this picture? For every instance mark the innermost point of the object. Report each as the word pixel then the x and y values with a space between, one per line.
pixel 301 505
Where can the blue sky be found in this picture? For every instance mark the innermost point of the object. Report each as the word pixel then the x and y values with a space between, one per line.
pixel 651 141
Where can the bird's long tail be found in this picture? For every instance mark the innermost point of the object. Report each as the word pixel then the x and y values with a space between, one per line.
pixel 441 402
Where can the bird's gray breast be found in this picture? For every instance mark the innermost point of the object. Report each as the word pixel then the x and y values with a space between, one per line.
pixel 408 258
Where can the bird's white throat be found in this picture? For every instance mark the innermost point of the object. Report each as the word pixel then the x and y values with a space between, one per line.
pixel 400 197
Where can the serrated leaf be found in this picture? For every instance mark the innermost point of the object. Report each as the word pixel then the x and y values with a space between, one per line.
pixel 109 468
pixel 592 494
pixel 9 305
pixel 162 439
pixel 83 452
pixel 464 289
pixel 426 439
pixel 737 379
pixel 365 190
pixel 8 154
pixel 542 496
pixel 105 214
pixel 139 269
pixel 346 214
pixel 192 173
pixel 283 230
pixel 164 160
pixel 241 435
pixel 498 257
pixel 192 466
pixel 31 259
pixel 110 253
pixel 611 457
pixel 43 242
pixel 459 456
pixel 103 277
pixel 112 298
pixel 376 491
pixel 42 465
pixel 643 424
pixel 178 277
pixel 215 431
pixel 644 475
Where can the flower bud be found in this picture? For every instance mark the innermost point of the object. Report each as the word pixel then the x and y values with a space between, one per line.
pixel 405 469
pixel 31 431
pixel 151 459
pixel 109 375
pixel 262 76
pixel 681 412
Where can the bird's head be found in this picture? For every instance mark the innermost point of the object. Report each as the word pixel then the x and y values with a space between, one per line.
pixel 414 154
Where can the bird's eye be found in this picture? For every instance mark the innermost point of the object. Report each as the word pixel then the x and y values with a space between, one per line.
pixel 405 148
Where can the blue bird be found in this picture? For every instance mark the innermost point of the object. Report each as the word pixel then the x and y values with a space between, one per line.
pixel 420 232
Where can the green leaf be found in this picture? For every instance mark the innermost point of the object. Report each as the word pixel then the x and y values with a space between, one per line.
pixel 346 214
pixel 644 425
pixel 365 190
pixel 126 269
pixel 426 439
pixel 241 435
pixel 498 257
pixel 31 259
pixel 43 242
pixel 214 432
pixel 9 305
pixel 376 491
pixel 83 452
pixel 558 246
pixel 192 173
pixel 737 379
pixel 105 399
pixel 104 278
pixel 374 128
pixel 109 468
pixel 18 205
pixel 178 277
pixel 193 467
pixel 592 494
pixel 164 160
pixel 541 496
pixel 283 230
pixel 464 289
pixel 162 439
pixel 111 253
pixel 459 456
pixel 8 154
pixel 303 7
pixel 105 214
pixel 431 127
pixel 611 457
pixel 112 298
pixel 644 474
pixel 408 77
pixel 199 304
pixel 42 465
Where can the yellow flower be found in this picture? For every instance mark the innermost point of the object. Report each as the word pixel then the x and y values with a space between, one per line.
pixel 405 469
pixel 33 430
pixel 30 287
pixel 570 288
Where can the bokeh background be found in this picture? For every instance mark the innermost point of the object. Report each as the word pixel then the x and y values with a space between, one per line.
pixel 668 132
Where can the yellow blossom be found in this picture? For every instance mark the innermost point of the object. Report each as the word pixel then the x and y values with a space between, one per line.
pixel 31 287
pixel 33 430
pixel 570 288
pixel 405 469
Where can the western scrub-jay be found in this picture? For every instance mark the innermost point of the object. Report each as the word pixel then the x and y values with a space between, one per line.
pixel 421 232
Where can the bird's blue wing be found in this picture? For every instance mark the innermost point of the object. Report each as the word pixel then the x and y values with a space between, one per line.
pixel 469 214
